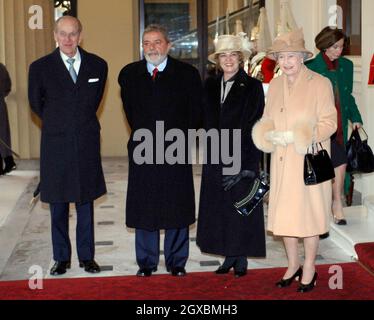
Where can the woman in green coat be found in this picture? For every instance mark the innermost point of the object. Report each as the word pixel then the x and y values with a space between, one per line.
pixel 330 63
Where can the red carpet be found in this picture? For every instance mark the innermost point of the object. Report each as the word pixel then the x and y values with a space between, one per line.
pixel 358 284
pixel 365 252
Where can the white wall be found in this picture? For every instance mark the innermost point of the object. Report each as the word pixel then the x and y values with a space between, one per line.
pixel 367 96
pixel 311 15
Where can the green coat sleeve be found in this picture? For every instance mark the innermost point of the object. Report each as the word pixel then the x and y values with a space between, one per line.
pixel 353 112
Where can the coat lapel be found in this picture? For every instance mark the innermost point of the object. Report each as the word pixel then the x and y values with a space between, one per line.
pixel 83 70
pixel 216 94
pixel 165 83
pixel 213 96
pixel 235 93
pixel 61 72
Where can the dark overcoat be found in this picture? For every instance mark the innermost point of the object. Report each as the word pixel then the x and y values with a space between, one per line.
pixel 70 161
pixel 220 229
pixel 5 87
pixel 160 196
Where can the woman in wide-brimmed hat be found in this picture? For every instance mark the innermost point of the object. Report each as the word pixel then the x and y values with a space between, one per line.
pixel 330 63
pixel 232 100
pixel 299 111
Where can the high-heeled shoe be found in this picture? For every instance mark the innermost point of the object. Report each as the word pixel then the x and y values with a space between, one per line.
pixel 324 235
pixel 308 287
pixel 340 222
pixel 240 273
pixel 287 282
pixel 223 270
pixel 337 211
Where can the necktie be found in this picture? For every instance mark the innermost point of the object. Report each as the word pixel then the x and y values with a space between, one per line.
pixel 72 72
pixel 155 71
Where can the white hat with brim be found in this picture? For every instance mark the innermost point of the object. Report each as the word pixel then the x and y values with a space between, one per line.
pixel 289 42
pixel 229 43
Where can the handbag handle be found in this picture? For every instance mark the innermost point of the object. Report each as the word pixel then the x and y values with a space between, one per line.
pixel 357 134
pixel 312 146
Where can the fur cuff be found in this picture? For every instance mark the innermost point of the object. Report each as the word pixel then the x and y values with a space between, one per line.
pixel 258 135
pixel 303 136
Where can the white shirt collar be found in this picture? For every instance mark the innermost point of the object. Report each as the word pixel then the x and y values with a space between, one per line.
pixel 160 67
pixel 77 62
pixel 77 56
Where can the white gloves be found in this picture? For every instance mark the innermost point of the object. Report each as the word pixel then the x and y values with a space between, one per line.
pixel 281 138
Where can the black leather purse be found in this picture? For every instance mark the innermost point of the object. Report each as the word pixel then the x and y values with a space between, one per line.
pixel 318 167
pixel 257 191
pixel 359 155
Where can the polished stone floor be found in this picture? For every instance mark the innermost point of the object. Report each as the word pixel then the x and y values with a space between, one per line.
pixel 26 242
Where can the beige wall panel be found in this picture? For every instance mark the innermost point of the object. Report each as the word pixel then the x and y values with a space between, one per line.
pixel 20 46
pixel 108 31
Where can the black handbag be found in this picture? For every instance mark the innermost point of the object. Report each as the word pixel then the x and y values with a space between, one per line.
pixel 257 191
pixel 317 166
pixel 360 158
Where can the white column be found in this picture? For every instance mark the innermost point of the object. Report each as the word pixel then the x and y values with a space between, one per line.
pixel 367 98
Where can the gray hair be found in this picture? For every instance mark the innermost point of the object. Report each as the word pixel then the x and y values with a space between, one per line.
pixel 303 55
pixel 157 28
pixel 80 27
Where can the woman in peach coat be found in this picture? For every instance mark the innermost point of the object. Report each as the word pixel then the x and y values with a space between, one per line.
pixel 300 110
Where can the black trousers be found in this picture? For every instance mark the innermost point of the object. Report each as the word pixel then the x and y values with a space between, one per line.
pixel 176 248
pixel 84 231
pixel 239 263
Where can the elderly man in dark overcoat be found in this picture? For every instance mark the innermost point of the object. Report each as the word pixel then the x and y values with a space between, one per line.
pixel 164 92
pixel 65 90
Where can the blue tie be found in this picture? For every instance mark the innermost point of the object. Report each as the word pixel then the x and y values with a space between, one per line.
pixel 72 72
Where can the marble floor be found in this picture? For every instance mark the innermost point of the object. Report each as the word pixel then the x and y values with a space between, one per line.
pixel 26 242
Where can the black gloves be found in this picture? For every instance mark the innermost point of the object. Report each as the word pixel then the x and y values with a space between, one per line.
pixel 229 181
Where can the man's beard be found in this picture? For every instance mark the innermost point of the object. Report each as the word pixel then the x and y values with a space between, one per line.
pixel 156 60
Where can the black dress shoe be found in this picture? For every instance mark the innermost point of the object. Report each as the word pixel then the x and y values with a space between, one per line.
pixel 1 166
pixel 145 272
pixel 324 236
pixel 10 165
pixel 223 270
pixel 287 282
pixel 60 268
pixel 178 271
pixel 90 266
pixel 240 273
pixel 308 287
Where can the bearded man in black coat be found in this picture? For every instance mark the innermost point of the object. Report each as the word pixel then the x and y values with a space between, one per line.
pixel 160 92
pixel 65 90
